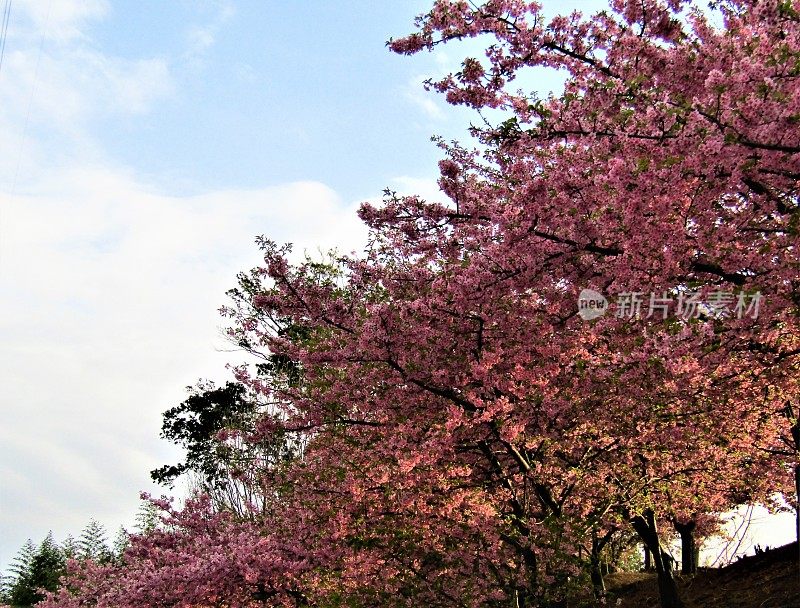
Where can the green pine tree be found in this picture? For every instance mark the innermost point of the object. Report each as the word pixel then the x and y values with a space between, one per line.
pixel 6 582
pixel 121 542
pixel 147 517
pixel 19 572
pixel 93 543
pixel 44 570
pixel 21 565
pixel 70 548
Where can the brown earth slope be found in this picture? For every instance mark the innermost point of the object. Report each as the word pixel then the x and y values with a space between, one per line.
pixel 768 580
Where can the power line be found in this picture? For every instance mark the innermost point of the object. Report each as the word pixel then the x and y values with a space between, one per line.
pixel 4 31
pixel 3 36
pixel 30 100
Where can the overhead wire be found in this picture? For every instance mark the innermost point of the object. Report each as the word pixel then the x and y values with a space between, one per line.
pixel 30 98
pixel 4 31
pixel 3 37
pixel 6 15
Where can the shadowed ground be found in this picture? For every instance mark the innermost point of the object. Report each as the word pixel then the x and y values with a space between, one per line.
pixel 768 580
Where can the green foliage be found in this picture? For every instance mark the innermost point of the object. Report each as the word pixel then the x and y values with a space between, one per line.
pixel 70 547
pixel 147 517
pixel 93 543
pixel 194 425
pixel 34 571
pixel 122 541
pixel 225 452
pixel 6 582
pixel 23 560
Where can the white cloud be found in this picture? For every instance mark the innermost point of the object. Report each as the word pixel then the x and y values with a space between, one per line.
pixel 424 100
pixel 57 87
pixel 108 299
pixel 77 86
pixel 200 38
pixel 433 104
pixel 60 20
pixel 744 528
pixel 108 287
pixel 427 189
pixel 245 72
pixel 443 60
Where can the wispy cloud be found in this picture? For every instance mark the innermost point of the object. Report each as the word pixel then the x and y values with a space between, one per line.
pixel 108 299
pixel 57 86
pixel 108 286
pixel 201 37
pixel 428 189
pixel 58 20
pixel 422 99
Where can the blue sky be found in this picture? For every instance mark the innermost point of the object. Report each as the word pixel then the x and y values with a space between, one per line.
pixel 145 144
pixel 243 94
pixel 269 92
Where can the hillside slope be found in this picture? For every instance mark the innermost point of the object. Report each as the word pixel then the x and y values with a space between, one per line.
pixel 768 580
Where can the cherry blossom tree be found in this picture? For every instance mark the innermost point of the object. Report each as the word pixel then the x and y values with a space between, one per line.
pixel 465 431
pixel 669 163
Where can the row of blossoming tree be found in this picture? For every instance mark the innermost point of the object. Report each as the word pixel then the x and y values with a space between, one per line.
pixel 460 433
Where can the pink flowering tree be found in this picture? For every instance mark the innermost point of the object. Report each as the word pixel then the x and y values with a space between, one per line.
pixel 465 431
pixel 669 164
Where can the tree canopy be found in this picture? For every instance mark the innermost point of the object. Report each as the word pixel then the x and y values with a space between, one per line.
pixel 468 438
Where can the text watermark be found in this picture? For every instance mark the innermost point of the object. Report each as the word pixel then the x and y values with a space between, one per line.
pixel 685 304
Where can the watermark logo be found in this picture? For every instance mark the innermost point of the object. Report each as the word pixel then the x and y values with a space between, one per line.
pixel 591 304
pixel 685 304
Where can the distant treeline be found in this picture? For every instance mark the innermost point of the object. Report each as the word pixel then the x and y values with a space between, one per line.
pixel 37 569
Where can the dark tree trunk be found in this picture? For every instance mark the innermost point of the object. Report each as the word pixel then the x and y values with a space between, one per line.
pixel 688 547
pixel 596 565
pixel 797 502
pixel 648 562
pixel 645 527
pixel 598 583
pixel 795 430
pixel 797 508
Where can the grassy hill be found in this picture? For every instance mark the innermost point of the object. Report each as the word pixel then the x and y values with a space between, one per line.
pixel 768 580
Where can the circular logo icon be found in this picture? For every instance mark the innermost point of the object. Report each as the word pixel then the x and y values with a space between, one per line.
pixel 591 304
